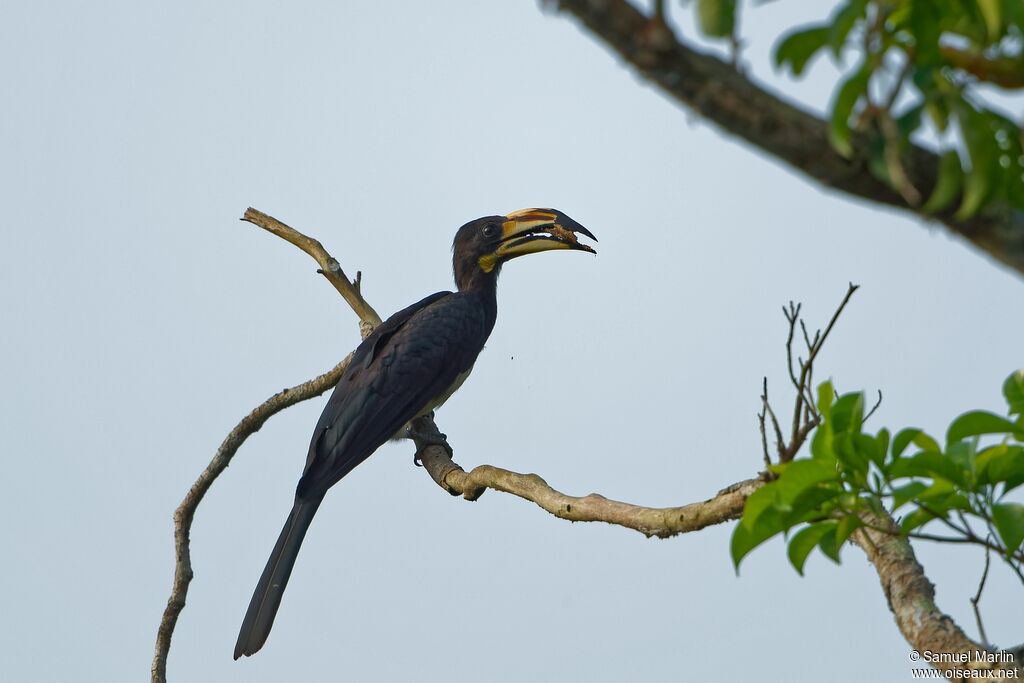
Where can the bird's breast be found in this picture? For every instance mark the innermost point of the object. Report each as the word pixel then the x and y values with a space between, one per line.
pixel 439 401
pixel 434 404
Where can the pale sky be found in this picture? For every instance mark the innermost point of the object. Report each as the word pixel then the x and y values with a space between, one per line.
pixel 142 320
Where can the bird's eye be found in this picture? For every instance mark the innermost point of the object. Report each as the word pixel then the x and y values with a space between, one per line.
pixel 491 230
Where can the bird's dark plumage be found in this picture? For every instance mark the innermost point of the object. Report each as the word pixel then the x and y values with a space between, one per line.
pixel 408 366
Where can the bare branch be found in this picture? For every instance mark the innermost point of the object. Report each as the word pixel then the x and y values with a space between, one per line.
pixel 329 267
pixel 185 512
pixel 766 409
pixel 792 314
pixel 764 438
pixel 819 341
pixel 805 413
pixel 874 407
pixel 661 522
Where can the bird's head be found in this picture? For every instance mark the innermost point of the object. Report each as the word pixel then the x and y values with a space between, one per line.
pixel 481 246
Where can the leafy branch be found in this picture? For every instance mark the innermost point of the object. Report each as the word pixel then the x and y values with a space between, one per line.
pixel 903 87
pixel 855 480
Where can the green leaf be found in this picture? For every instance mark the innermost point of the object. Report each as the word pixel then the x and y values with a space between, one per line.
pixel 848 413
pixel 941 497
pixel 984 153
pixel 854 459
pixel 924 24
pixel 795 493
pixel 814 502
pixel 803 543
pixel 883 445
pixel 915 436
pixel 847 525
pixel 938 112
pixel 801 475
pixel 821 444
pixel 962 455
pixel 757 502
pixel 826 395
pixel 842 22
pixel 798 47
pixel 991 10
pixel 717 18
pixel 976 423
pixel 745 539
pixel 829 545
pixel 866 448
pixel 927 464
pixel 1009 521
pixel 1013 390
pixel 846 98
pixel 947 187
pixel 909 121
pixel 1000 463
pixel 915 519
pixel 902 494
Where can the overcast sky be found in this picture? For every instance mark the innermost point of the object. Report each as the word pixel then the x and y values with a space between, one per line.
pixel 142 320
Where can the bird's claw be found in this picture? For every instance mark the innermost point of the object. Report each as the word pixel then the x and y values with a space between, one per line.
pixel 426 440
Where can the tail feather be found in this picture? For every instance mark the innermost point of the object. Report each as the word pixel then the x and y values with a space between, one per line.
pixel 267 597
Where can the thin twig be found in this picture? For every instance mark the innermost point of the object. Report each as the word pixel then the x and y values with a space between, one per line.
pixel 767 408
pixel 977 598
pixel 764 439
pixel 792 316
pixel 820 341
pixel 805 415
pixel 874 407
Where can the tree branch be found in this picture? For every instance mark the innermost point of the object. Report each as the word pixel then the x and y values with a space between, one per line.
pixel 661 522
pixel 350 290
pixel 185 512
pixel 250 424
pixel 720 93
pixel 911 598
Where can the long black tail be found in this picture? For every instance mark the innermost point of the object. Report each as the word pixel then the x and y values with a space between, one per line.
pixel 267 596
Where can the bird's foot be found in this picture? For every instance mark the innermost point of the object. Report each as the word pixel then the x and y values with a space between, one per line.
pixel 427 439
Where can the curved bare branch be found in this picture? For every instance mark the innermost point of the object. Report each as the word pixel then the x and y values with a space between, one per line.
pixel 250 424
pixel 186 511
pixel 661 522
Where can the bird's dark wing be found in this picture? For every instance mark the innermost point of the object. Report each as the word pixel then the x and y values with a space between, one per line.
pixel 410 361
pixel 367 350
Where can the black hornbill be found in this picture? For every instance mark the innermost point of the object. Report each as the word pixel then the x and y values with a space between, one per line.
pixel 410 365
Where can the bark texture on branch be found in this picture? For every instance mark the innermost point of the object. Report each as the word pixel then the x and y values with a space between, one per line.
pixel 661 522
pixel 329 267
pixel 723 95
pixel 911 597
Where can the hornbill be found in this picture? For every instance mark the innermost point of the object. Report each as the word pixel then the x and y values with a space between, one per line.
pixel 408 366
